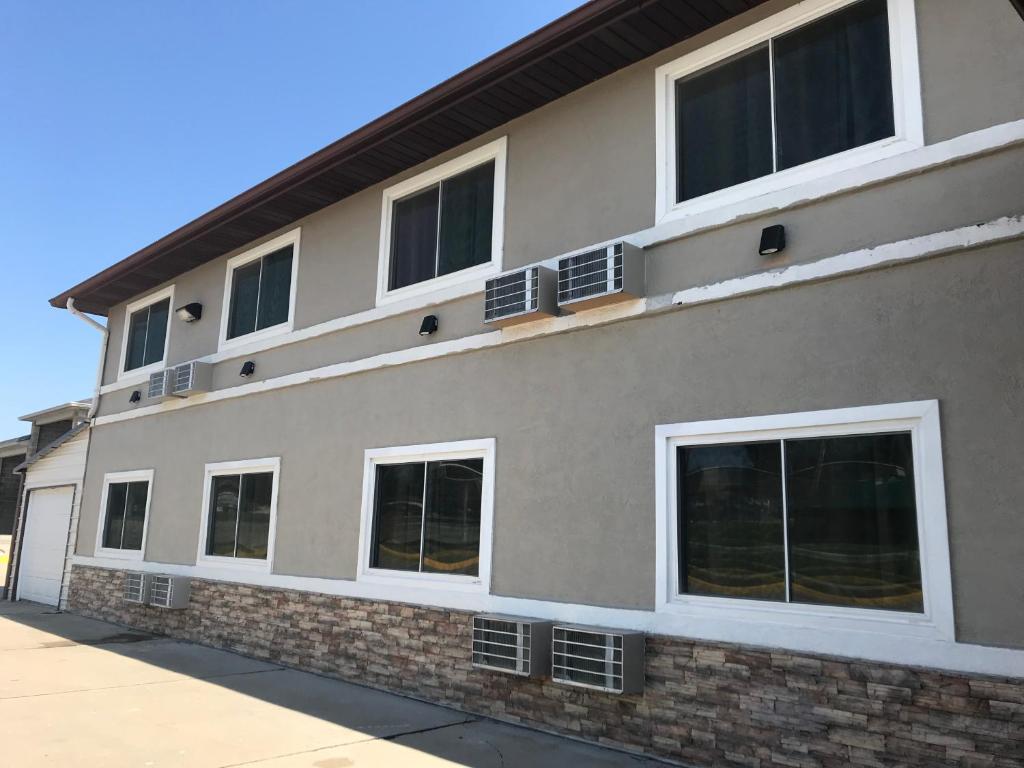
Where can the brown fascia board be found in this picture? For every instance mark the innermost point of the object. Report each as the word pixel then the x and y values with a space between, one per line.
pixel 547 40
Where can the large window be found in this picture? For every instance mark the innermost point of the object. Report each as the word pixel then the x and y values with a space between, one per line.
pixel 144 345
pixel 239 511
pixel 427 511
pixel 443 227
pixel 828 520
pixel 813 82
pixel 124 513
pixel 260 291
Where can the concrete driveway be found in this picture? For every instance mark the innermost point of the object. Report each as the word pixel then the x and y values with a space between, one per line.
pixel 78 692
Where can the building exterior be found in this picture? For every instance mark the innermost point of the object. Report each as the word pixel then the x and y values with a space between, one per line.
pixel 787 459
pixel 46 480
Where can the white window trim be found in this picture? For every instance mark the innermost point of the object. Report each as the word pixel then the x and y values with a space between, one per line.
pixel 920 419
pixel 123 477
pixel 464 449
pixel 291 238
pixel 139 304
pixel 906 88
pixel 464 281
pixel 243 467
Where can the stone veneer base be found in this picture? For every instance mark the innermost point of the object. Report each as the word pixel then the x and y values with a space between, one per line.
pixel 704 704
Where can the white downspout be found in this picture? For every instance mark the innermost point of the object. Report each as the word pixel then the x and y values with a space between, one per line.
pixel 103 354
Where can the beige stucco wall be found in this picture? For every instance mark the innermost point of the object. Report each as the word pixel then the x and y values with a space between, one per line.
pixel 574 418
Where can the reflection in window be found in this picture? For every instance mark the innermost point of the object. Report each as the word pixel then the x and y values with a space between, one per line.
pixel 239 516
pixel 147 335
pixel 125 515
pixel 427 516
pixel 846 509
pixel 260 293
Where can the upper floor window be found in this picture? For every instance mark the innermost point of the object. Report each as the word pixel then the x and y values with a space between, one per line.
pixel 443 227
pixel 259 296
pixel 144 346
pixel 124 512
pixel 788 99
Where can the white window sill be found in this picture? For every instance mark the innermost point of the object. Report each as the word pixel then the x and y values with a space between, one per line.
pixel 251 338
pixel 411 580
pixel 244 564
pixel 119 554
pixel 141 374
pixel 462 283
pixel 756 195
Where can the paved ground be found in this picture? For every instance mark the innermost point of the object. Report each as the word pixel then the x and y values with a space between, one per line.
pixel 78 692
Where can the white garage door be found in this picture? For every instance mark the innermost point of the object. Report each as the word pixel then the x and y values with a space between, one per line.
pixel 46 540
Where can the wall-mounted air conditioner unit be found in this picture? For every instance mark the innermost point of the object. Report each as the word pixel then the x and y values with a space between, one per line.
pixel 136 587
pixel 169 591
pixel 161 385
pixel 590 657
pixel 512 644
pixel 520 296
pixel 601 276
pixel 190 378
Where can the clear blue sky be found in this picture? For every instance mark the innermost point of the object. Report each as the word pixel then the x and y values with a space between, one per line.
pixel 120 121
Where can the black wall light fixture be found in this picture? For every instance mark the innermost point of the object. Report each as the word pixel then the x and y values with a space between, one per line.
pixel 135 396
pixel 248 369
pixel 429 325
pixel 190 312
pixel 773 240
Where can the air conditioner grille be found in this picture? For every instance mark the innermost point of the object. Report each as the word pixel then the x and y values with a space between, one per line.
pixel 590 659
pixel 513 294
pixel 594 273
pixel 503 645
pixel 182 377
pixel 161 591
pixel 157 384
pixel 134 588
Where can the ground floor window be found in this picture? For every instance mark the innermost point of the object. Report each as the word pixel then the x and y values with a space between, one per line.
pixel 427 510
pixel 239 511
pixel 808 512
pixel 124 511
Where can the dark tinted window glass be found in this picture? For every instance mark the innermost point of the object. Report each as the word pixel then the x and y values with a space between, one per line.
pixel 223 516
pixel 414 239
pixel 135 353
pixel 730 503
pixel 724 125
pixel 254 515
pixel 853 522
pixel 156 333
pixel 833 86
pixel 467 206
pixel 117 493
pixel 245 291
pixel 398 517
pixel 452 527
pixel 275 289
pixel 135 515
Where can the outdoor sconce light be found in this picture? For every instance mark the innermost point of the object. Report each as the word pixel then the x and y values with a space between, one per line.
pixel 135 397
pixel 429 325
pixel 773 240
pixel 248 369
pixel 190 312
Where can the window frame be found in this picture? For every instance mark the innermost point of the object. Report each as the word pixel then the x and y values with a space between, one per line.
pixel 111 478
pixel 240 467
pixel 291 238
pixel 465 281
pixel 919 419
pixel 137 306
pixel 907 111
pixel 463 449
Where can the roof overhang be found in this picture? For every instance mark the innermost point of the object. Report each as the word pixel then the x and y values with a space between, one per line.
pixel 591 42
pixel 57 412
